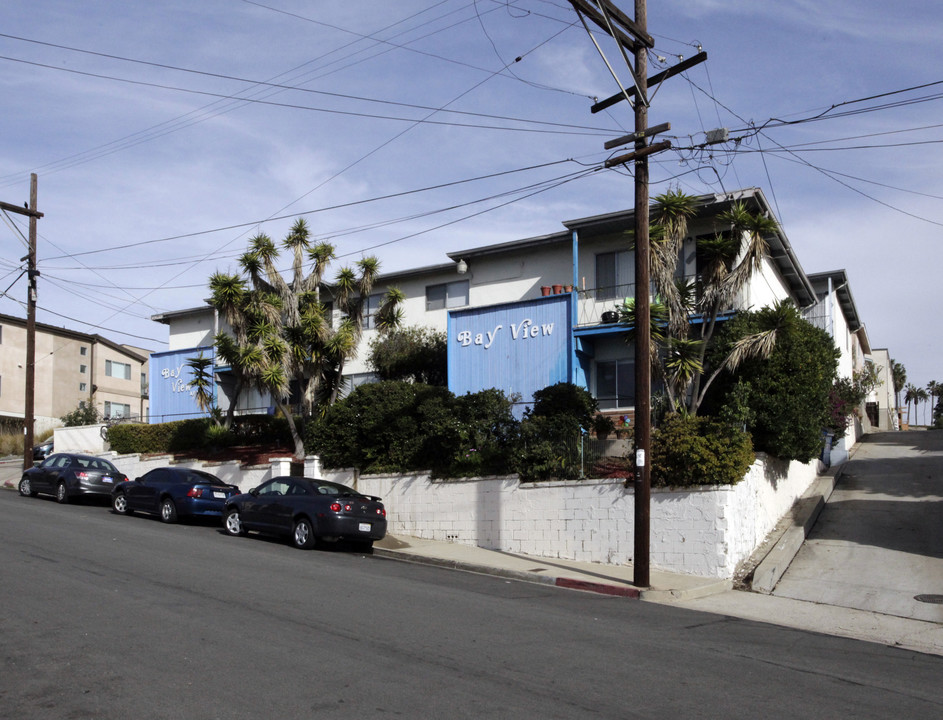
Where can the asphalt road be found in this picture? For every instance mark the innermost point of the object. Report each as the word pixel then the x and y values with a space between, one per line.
pixel 878 544
pixel 114 617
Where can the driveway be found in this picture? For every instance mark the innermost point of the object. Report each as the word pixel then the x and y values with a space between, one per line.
pixel 878 544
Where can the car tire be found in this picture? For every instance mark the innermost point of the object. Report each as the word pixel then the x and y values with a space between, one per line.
pixel 168 511
pixel 26 488
pixel 119 503
pixel 302 534
pixel 62 493
pixel 232 523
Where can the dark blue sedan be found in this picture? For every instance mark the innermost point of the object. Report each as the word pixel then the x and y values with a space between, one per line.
pixel 307 511
pixel 173 493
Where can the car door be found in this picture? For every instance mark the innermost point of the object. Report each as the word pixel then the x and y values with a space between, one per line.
pixel 50 471
pixel 143 493
pixel 264 505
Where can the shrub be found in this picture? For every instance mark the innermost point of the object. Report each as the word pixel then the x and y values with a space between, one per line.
pixel 84 414
pixel 785 397
pixel 550 448
pixel 402 427
pixel 413 354
pixel 566 399
pixel 691 450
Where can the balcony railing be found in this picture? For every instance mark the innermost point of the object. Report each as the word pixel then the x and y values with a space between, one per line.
pixel 593 302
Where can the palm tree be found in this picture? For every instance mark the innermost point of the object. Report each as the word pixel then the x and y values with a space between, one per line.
pixel 899 375
pixel 728 261
pixel 934 388
pixel 911 395
pixel 202 382
pixel 281 330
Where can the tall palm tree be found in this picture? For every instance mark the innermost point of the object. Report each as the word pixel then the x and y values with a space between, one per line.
pixel 911 395
pixel 934 388
pixel 899 376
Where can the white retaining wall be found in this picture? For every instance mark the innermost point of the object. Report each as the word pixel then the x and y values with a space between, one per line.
pixel 704 531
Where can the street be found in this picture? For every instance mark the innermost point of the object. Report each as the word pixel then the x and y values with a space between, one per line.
pixel 117 617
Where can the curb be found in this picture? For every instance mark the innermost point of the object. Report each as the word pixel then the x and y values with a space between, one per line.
pixel 798 523
pixel 567 583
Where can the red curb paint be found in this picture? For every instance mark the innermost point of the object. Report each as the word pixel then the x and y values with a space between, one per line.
pixel 598 588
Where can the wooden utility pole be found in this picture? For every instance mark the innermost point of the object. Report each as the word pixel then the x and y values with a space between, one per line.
pixel 32 273
pixel 643 365
pixel 632 36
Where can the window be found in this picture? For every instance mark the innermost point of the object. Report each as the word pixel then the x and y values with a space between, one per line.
pixel 83 350
pixel 615 275
pixel 447 295
pixel 615 384
pixel 117 370
pixel 83 387
pixel 117 410
pixel 83 369
pixel 370 311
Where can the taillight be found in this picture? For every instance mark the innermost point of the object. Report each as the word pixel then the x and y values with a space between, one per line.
pixel 335 507
pixel 81 475
pixel 381 511
pixel 195 492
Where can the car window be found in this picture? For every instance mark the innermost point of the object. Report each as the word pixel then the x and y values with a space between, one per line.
pixel 62 461
pixel 274 487
pixel 297 489
pixel 328 490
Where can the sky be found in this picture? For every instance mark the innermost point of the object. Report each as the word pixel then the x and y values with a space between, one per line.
pixel 165 134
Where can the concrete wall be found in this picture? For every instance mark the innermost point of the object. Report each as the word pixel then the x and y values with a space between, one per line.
pixel 704 531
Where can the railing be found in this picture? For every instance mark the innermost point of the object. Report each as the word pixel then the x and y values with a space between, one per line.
pixel 593 302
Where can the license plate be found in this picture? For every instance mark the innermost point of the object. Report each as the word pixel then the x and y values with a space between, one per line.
pixel 107 479
pixel 364 527
pixel 219 495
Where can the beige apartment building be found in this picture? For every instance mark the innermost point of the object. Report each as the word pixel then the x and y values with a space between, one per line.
pixel 71 368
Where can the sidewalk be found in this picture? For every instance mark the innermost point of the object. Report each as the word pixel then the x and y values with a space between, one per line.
pixel 694 593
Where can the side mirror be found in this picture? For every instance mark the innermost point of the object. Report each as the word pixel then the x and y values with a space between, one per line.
pixel 254 492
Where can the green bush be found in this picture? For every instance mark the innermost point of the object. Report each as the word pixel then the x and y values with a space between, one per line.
pixel 404 427
pixel 550 448
pixel 784 398
pixel 566 399
pixel 688 451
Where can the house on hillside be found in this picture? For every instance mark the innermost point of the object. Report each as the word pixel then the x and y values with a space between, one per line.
pixel 520 315
pixel 71 368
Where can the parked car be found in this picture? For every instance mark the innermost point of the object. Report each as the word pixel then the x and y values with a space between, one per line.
pixel 43 450
pixel 307 511
pixel 173 493
pixel 68 475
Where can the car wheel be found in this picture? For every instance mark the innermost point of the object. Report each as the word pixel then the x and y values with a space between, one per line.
pixel 62 493
pixel 303 534
pixel 26 489
pixel 119 503
pixel 168 511
pixel 233 523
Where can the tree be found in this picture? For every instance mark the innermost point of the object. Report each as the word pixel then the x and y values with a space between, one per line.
pixel 899 375
pixel 934 388
pixel 413 354
pixel 202 382
pixel 727 262
pixel 282 331
pixel 912 395
pixel 84 414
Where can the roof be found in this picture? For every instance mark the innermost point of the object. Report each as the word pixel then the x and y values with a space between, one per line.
pixel 780 249
pixel 134 353
pixel 842 290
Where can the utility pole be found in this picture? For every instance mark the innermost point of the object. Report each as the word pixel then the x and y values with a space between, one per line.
pixel 632 36
pixel 32 273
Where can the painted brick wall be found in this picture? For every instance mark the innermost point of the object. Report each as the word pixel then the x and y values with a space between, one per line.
pixel 706 531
